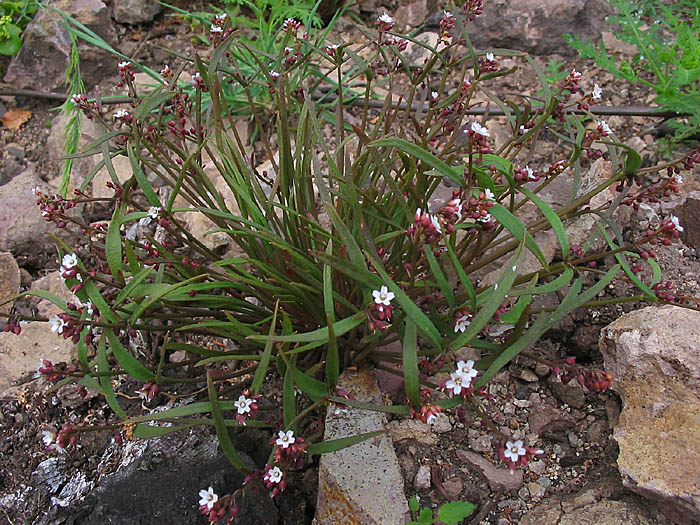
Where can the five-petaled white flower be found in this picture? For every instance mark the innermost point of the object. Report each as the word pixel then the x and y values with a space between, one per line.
pixel 490 57
pixel 215 29
pixel 434 95
pixel 123 64
pixel 575 74
pixel 457 382
pixel 76 99
pixel 529 172
pixel 208 498
pixel 274 475
pixel 462 323
pixel 243 405
pixel 383 296
pixel 597 92
pixel 447 14
pixel 489 194
pixel 676 223
pixel 485 218
pixel 166 70
pixel 70 260
pixel 466 369
pixel 479 129
pixel 514 449
pixel 154 211
pixel 48 436
pixel 120 113
pixel 57 324
pixel 285 438
pixel 603 126
pixel 274 74
pixel 386 19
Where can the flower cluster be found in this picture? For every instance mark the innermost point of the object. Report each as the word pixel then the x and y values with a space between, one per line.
pixel 385 23
pixel 593 380
pixel 460 381
pixel 427 413
pixel 341 408
pixel 217 509
pixel 446 24
pixel 126 73
pixel 291 25
pixel 488 63
pixel 148 391
pixel 517 454
pixel 55 372
pixel 473 8
pixel 273 477
pixel 477 138
pixel 290 449
pixel 59 441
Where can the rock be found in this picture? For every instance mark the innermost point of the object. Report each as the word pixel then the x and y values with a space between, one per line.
pixel 497 478
pixel 544 418
pixel 20 354
pixel 537 467
pixel 570 393
pixel 90 130
pixel 10 280
pixel 536 490
pixel 597 432
pixel 362 483
pixel 442 424
pixel 122 169
pixel 135 11
pixel 15 151
pixel 653 353
pixel 402 429
pixel 417 55
pixel 22 228
pixel 481 444
pixel 615 45
pixel 423 480
pixel 688 214
pixel 537 27
pixel 43 58
pixel 605 512
pixel 412 13
pixel 54 284
pixel 452 488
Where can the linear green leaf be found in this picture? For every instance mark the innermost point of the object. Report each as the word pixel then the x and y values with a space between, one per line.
pixel 410 363
pixel 261 371
pixel 129 363
pixel 334 445
pixel 222 431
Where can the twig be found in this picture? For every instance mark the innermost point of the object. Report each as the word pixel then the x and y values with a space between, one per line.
pixel 487 508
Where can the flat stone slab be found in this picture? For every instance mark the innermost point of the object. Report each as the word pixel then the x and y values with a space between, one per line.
pixel 362 484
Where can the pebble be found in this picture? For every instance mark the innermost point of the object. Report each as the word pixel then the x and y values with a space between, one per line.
pixel 480 444
pixel 544 481
pixel 442 424
pixel 536 490
pixel 538 467
pixel 422 481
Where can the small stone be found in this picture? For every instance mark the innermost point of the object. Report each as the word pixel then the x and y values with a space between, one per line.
pixel 422 481
pixel 413 429
pixel 571 393
pixel 496 477
pixel 538 467
pixel 453 488
pixel 480 444
pixel 408 466
pixel 528 375
pixel 544 418
pixel 10 280
pixel 536 490
pixel 442 424
pixel 524 493
pixel 15 151
pixel 544 481
pixel 522 403
pixel 542 369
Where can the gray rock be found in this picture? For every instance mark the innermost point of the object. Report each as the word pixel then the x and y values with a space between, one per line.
pixel 10 280
pixel 41 62
pixel 497 478
pixel 653 353
pixel 688 213
pixel 135 11
pixel 537 27
pixel 400 430
pixel 545 418
pixel 538 467
pixel 442 424
pixel 536 490
pixel 423 479
pixel 362 483
pixel 571 393
pixel 481 444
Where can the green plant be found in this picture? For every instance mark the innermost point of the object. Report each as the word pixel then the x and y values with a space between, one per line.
pixel 14 17
pixel 448 513
pixel 667 38
pixel 336 253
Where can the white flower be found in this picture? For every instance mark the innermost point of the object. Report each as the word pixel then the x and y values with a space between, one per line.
pixel 288 50
pixel 495 287
pixel 418 214
pixel 457 382
pixel 154 211
pixel 678 179
pixel 274 74
pixel 522 130
pixel 208 498
pixel 575 74
pixel 466 369
pixel 57 324
pixel 676 223
pixel 340 410
pixel 603 126
pixel 287 22
pixel 333 47
pixel 485 218
pixel 490 57
pixel 215 29
pixel 462 323
pixel 222 17
pixel 48 437
pixel 432 418
pixel 383 296
pixel 597 92
pixel 489 194
pixel 436 223
pixel 447 14
pixel 434 95
pixel 386 19
pixel 274 475
pixel 37 190
pixel 530 173
pixel 514 449
pixel 76 99
pixel 120 113
pixel 165 71
pixel 479 129
pixel 124 64
pixel 285 438
pixel 243 404
pixel 70 260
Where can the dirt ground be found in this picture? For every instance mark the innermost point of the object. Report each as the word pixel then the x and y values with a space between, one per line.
pixel 578 450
